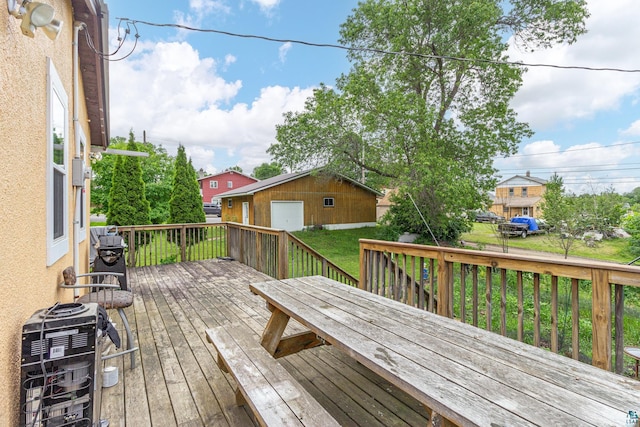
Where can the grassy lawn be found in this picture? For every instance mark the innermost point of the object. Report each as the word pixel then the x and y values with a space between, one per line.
pixel 340 246
pixel 615 250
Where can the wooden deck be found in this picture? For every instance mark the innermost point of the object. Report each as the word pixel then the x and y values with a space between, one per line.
pixel 176 381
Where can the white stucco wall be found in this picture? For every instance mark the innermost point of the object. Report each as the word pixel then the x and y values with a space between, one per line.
pixel 26 283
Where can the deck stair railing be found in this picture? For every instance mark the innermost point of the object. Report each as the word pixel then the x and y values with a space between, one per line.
pixel 553 303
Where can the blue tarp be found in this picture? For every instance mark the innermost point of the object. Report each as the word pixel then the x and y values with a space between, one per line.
pixel 533 225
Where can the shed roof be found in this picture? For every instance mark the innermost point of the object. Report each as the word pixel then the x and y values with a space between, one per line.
pixel 251 189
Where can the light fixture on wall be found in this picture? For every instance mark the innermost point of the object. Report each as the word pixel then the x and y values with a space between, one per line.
pixel 35 15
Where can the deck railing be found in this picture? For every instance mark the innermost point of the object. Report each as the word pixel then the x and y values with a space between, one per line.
pixel 557 304
pixel 274 252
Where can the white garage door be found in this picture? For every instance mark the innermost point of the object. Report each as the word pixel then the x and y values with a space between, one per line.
pixel 287 215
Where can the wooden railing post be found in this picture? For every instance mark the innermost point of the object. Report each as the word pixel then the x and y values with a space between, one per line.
pixel 363 280
pixel 601 319
pixel 444 288
pixel 183 243
pixel 132 247
pixel 283 253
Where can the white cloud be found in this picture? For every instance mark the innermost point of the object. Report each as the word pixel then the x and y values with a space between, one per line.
pixel 267 5
pixel 585 168
pixel 175 95
pixel 283 50
pixel 551 96
pixel 633 130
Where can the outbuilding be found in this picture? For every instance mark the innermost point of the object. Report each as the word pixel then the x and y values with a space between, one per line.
pixel 301 200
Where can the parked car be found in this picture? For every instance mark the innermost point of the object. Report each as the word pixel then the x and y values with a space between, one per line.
pixel 490 217
pixel 212 209
pixel 523 226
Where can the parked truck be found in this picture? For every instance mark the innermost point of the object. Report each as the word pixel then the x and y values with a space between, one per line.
pixel 522 226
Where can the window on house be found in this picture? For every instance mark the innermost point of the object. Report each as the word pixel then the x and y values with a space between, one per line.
pixel 524 191
pixel 213 184
pixel 229 203
pixel 229 184
pixel 511 192
pixel 57 180
pixel 328 202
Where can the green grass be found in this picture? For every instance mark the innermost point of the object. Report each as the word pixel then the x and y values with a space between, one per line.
pixel 339 246
pixel 615 250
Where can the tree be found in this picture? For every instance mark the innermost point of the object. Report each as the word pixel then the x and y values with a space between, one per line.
pixel 185 206
pixel 127 202
pixel 601 212
pixel 562 214
pixel 633 197
pixel 157 174
pixel 267 170
pixel 419 118
pixel 234 168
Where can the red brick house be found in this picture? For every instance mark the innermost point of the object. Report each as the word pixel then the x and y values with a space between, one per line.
pixel 212 185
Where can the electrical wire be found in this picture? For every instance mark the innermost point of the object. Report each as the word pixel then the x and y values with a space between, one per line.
pixel 43 367
pixel 378 51
pixel 121 42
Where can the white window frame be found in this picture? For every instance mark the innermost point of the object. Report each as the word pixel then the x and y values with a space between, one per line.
pixel 329 202
pixel 229 184
pixel 58 246
pixel 213 184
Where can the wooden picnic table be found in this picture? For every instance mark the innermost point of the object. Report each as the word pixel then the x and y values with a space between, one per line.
pixel 466 375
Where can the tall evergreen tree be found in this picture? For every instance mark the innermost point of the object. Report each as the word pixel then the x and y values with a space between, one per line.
pixel 127 202
pixel 185 205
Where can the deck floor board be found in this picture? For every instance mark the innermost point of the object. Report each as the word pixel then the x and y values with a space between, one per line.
pixel 176 381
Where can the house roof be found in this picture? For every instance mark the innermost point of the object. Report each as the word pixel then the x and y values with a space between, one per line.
pixel 521 202
pixel 95 69
pixel 533 179
pixel 251 189
pixel 227 172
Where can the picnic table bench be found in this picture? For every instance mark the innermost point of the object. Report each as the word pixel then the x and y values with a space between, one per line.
pixel 269 390
pixel 462 374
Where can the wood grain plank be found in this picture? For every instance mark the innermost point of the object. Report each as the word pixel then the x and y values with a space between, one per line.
pixel 474 373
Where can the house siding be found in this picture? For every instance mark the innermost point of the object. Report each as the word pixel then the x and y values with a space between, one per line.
pixel 27 283
pixel 524 189
pixel 238 179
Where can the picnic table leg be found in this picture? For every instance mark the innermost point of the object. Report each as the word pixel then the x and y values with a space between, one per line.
pixel 274 330
pixel 437 420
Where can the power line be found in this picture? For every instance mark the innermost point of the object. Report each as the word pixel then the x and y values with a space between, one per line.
pixel 379 51
pixel 576 150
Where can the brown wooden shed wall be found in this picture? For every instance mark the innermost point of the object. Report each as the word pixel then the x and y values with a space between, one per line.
pixel 352 204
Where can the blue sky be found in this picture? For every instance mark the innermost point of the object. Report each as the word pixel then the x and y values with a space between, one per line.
pixel 222 96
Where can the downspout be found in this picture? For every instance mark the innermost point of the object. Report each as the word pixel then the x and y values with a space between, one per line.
pixel 76 137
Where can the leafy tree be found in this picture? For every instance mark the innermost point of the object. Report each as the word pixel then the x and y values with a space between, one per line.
pixel 234 168
pixel 631 225
pixel 185 206
pixel 422 119
pixel 561 212
pixel 157 173
pixel 633 197
pixel 127 202
pixel 267 170
pixel 601 212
